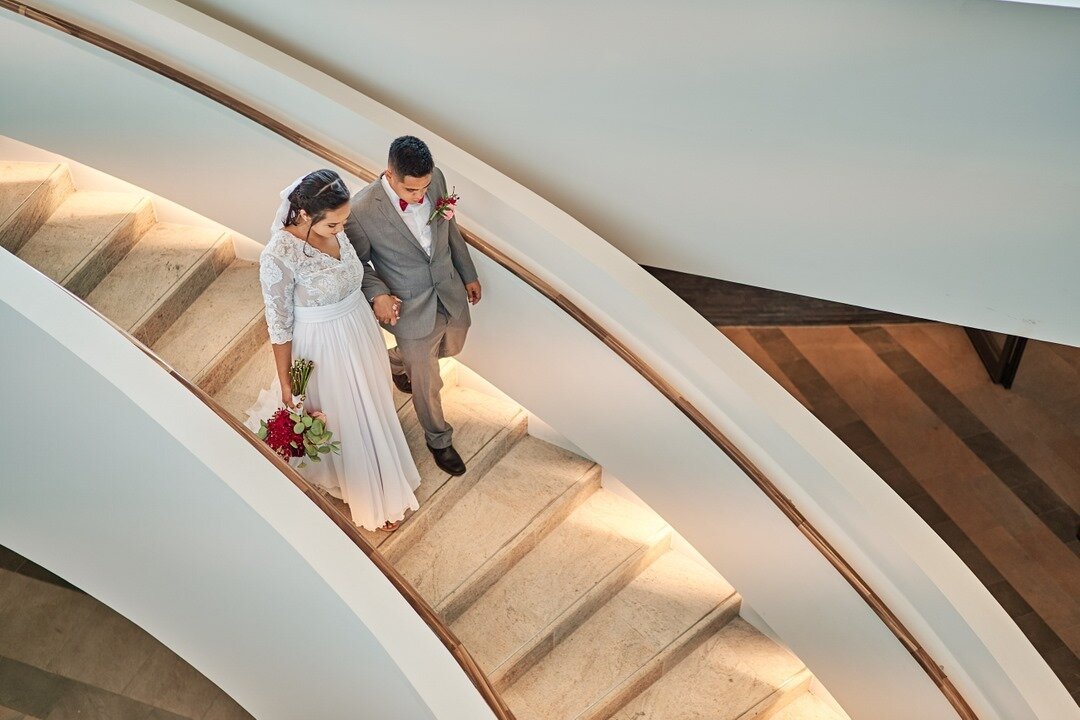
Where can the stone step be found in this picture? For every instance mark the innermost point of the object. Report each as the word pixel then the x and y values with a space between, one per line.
pixel 807 706
pixel 600 547
pixel 29 194
pixel 568 596
pixel 502 516
pixel 87 236
pixel 242 389
pixel 736 674
pixel 671 603
pixel 484 429
pixel 160 277
pixel 228 361
pixel 220 317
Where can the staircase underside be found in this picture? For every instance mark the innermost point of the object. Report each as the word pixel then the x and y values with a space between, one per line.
pixel 724 303
pixel 569 596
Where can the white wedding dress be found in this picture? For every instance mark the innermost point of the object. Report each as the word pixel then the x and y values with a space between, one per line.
pixel 315 300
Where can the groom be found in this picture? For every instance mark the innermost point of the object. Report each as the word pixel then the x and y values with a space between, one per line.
pixel 423 283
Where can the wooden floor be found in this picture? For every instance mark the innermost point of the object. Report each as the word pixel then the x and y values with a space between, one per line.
pixel 995 472
pixel 64 655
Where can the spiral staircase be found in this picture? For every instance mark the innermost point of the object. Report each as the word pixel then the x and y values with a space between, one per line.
pixel 570 597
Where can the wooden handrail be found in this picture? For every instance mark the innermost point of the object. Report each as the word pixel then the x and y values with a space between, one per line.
pixel 418 603
pixel 655 378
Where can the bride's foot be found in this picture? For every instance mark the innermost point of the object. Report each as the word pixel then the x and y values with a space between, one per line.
pixel 391 527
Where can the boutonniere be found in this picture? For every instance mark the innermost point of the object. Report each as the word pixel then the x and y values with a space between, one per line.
pixel 444 207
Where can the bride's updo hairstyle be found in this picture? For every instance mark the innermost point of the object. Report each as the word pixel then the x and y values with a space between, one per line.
pixel 317 194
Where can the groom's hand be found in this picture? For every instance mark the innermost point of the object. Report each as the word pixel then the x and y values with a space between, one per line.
pixel 387 308
pixel 474 291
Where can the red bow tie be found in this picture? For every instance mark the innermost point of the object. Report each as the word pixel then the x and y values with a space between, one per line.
pixel 403 203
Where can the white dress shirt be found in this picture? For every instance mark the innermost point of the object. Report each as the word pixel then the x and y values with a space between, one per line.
pixel 415 216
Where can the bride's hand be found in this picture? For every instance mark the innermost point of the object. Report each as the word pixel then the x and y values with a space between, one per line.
pixel 387 309
pixel 286 400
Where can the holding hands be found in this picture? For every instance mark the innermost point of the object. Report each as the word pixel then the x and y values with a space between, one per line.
pixel 387 309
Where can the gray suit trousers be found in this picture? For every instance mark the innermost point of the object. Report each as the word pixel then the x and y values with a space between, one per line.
pixel 420 360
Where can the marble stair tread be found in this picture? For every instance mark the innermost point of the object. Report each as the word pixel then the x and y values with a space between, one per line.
pixel 476 418
pixel 18 182
pixel 593 541
pixel 217 316
pixel 502 503
pixel 735 671
pixel 480 421
pixel 80 225
pixel 243 388
pixel 653 611
pixel 29 194
pixel 808 707
pixel 154 265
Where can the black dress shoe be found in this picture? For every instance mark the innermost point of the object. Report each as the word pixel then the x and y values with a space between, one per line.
pixel 448 460
pixel 404 384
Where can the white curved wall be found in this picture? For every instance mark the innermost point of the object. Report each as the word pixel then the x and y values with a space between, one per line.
pixel 917 156
pixel 121 481
pixel 582 389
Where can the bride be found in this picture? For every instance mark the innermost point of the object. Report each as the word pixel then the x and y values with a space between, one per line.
pixel 310 278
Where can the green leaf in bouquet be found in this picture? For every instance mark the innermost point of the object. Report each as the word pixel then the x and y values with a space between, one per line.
pixel 292 444
pixel 318 427
pixel 298 428
pixel 324 449
pixel 295 418
pixel 263 431
pixel 308 420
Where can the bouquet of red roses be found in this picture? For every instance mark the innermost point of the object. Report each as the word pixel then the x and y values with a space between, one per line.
pixel 298 433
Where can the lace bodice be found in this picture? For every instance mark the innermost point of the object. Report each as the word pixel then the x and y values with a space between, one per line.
pixel 294 273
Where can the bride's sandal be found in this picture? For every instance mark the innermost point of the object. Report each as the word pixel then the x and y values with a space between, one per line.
pixel 390 527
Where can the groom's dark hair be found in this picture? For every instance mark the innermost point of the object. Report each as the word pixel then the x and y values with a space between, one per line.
pixel 410 157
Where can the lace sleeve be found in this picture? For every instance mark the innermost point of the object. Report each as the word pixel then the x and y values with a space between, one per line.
pixel 278 284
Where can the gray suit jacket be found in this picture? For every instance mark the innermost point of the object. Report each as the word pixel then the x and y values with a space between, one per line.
pixel 402 268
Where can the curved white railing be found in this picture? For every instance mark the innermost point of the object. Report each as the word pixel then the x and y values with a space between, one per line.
pixel 179 144
pixel 125 483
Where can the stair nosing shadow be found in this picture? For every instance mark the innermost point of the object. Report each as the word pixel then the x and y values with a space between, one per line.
pixel 456 601
pixel 220 368
pixel 44 180
pixel 107 253
pixel 450 492
pixel 622 692
pixel 210 258
pixel 780 697
pixel 578 612
pixel 55 189
pixel 113 238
